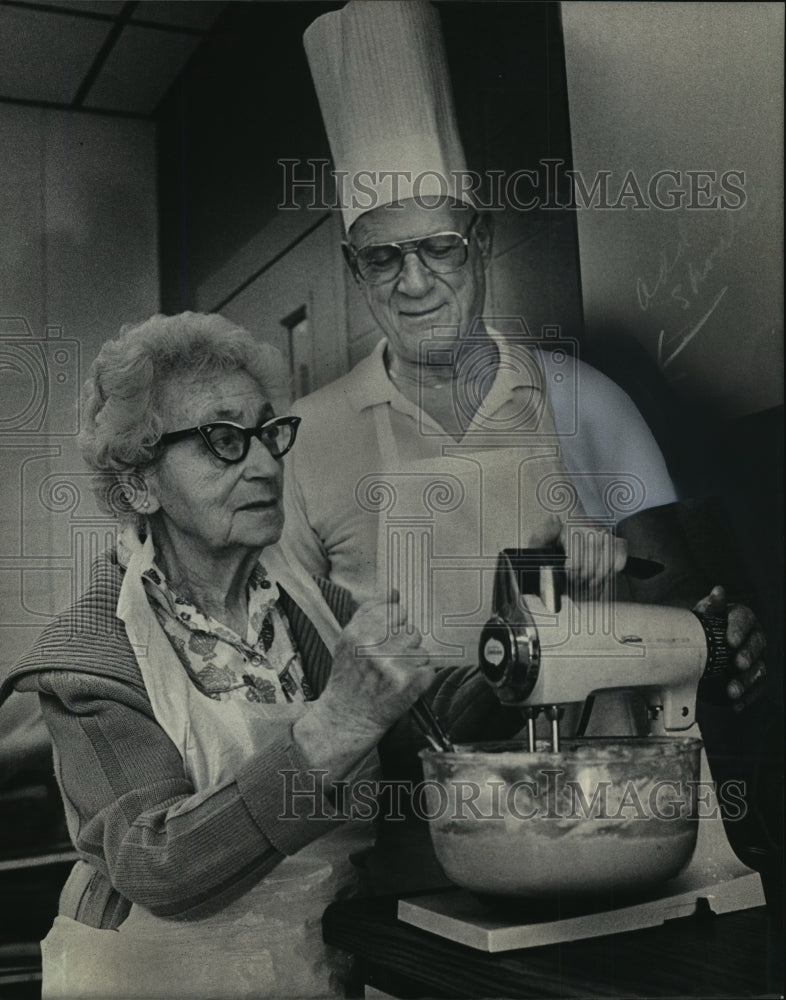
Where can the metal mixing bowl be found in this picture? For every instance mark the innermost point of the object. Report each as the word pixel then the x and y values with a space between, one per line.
pixel 602 815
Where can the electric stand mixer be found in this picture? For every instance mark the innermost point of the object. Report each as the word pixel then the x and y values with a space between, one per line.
pixel 542 650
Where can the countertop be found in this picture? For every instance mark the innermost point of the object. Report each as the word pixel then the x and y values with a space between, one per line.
pixel 704 955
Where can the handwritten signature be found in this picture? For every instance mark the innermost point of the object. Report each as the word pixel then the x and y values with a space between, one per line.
pixel 681 277
pixel 686 334
pixel 697 270
pixel 666 266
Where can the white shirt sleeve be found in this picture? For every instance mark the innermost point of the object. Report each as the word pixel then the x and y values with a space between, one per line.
pixel 608 449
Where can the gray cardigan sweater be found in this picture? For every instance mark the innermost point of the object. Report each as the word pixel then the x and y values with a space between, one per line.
pixel 143 834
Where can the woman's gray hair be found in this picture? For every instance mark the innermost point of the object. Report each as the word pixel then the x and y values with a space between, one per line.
pixel 120 419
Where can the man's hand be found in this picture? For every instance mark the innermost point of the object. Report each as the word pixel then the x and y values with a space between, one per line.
pixel 747 645
pixel 593 556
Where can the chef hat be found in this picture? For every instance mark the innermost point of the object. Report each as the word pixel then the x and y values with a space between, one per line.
pixel 381 76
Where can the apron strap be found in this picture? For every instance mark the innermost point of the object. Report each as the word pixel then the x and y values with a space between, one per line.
pixel 303 589
pixel 388 449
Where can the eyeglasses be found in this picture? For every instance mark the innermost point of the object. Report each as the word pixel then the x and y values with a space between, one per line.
pixel 441 253
pixel 230 442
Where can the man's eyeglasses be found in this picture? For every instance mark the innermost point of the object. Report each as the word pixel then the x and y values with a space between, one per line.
pixel 441 253
pixel 230 442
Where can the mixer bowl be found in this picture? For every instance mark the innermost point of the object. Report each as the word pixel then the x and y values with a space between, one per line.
pixel 601 816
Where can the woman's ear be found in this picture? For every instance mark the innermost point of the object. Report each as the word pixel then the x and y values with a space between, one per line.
pixel 141 493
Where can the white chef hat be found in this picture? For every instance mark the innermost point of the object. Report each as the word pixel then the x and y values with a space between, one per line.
pixel 381 76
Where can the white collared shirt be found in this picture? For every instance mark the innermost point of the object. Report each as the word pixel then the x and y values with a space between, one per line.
pixel 600 432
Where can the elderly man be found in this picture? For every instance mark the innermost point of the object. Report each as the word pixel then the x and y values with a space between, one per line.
pixel 454 439
pixel 451 441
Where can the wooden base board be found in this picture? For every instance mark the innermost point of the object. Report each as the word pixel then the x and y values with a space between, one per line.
pixel 467 919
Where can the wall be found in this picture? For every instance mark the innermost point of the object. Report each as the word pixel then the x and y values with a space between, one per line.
pixel 682 282
pixel 678 111
pixel 78 258
pixel 305 282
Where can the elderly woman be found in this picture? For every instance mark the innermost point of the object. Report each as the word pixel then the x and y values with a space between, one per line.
pixel 203 695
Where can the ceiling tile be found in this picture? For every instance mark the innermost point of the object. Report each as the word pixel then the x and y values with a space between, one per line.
pixel 108 7
pixel 199 15
pixel 46 56
pixel 140 69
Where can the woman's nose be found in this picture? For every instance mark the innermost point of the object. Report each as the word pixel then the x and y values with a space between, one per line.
pixel 259 461
pixel 415 278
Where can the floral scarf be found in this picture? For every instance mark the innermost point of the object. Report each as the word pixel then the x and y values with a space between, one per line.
pixel 263 666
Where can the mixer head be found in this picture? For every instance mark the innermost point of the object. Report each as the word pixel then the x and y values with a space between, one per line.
pixel 541 649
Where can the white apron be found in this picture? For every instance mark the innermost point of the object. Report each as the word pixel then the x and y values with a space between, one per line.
pixel 268 943
pixel 447 520
pixel 444 520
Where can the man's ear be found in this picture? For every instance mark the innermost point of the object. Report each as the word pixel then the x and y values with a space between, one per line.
pixel 484 234
pixel 349 259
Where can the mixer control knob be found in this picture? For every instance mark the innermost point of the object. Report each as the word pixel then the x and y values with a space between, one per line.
pixel 717 673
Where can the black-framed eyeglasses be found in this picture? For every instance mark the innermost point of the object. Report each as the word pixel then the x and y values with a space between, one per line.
pixel 441 253
pixel 230 442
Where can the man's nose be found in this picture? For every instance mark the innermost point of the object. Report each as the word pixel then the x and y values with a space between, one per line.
pixel 415 277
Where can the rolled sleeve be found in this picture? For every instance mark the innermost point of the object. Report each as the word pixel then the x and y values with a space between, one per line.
pixel 134 815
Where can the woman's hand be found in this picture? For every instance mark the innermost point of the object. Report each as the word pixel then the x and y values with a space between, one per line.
pixel 379 670
pixel 747 644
